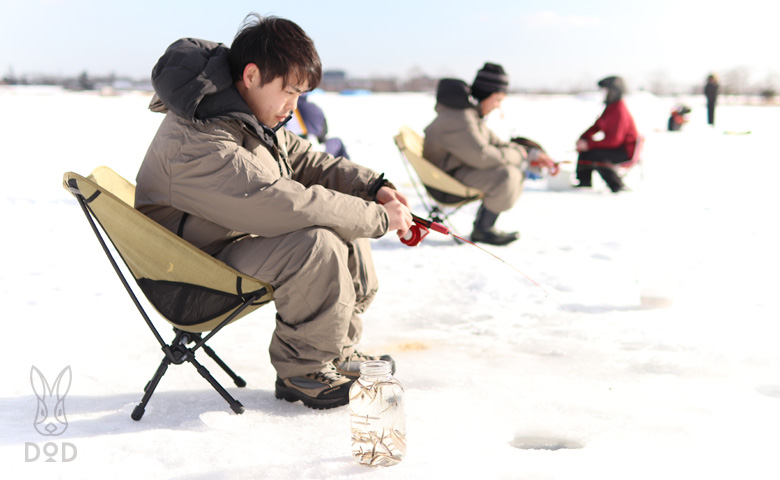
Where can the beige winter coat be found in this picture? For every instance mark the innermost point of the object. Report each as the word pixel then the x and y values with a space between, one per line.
pixel 232 184
pixel 459 137
pixel 461 144
pixel 265 203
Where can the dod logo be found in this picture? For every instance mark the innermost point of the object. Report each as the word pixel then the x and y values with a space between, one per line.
pixel 50 419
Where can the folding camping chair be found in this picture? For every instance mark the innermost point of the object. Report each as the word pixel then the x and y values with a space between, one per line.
pixel 445 191
pixel 191 290
pixel 623 168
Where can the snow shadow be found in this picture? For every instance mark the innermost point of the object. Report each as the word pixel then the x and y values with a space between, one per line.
pixel 545 442
pixel 769 390
pixel 601 309
pixel 91 416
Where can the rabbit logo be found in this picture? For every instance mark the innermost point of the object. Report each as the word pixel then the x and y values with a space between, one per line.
pixel 50 417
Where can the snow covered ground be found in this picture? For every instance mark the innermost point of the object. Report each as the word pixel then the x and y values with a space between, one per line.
pixel 578 378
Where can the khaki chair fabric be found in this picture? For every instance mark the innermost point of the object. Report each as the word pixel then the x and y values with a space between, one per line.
pixel 189 288
pixel 441 187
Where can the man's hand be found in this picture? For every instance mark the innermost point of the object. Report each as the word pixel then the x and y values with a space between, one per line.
pixel 545 161
pixel 400 217
pixel 582 145
pixel 387 194
pixel 397 209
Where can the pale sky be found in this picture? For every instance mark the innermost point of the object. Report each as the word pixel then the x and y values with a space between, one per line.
pixel 540 43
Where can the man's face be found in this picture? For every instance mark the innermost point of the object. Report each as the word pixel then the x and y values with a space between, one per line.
pixel 492 102
pixel 272 103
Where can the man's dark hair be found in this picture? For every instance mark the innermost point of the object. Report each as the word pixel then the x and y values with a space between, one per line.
pixel 279 48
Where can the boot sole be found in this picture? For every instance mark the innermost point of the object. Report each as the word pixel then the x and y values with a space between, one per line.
pixel 493 242
pixel 292 395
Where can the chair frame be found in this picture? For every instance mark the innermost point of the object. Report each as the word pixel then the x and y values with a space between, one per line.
pixel 622 169
pixel 176 352
pixel 446 185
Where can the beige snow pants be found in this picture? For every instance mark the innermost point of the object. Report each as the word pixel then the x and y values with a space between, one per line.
pixel 321 283
pixel 502 185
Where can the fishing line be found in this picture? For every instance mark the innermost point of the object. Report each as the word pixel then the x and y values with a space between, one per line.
pixel 420 228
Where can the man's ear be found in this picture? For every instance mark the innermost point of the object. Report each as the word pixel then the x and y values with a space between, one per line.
pixel 251 75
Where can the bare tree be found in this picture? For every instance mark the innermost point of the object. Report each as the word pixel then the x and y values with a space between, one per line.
pixel 658 83
pixel 736 81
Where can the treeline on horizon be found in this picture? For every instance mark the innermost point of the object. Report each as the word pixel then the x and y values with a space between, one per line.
pixel 732 82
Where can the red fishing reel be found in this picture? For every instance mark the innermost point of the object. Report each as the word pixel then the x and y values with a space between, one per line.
pixel 414 235
pixel 419 230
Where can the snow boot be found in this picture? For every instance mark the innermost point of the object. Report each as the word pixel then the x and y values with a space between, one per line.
pixel 486 232
pixel 325 388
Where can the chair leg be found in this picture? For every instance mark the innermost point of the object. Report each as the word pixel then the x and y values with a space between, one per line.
pixel 437 215
pixel 185 338
pixel 178 353
pixel 139 410
pixel 235 405
pixel 236 379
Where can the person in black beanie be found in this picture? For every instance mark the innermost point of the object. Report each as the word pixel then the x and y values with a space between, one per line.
pixel 459 142
pixel 490 79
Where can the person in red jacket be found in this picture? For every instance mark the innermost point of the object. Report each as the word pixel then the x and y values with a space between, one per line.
pixel 617 145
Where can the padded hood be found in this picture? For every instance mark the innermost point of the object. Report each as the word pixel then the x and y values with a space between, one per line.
pixel 454 93
pixel 192 79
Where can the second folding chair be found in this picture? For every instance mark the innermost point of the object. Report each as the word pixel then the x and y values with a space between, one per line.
pixel 446 194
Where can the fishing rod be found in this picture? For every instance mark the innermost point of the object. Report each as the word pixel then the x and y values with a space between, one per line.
pixel 421 228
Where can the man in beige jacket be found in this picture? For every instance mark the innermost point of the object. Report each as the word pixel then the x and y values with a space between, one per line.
pixel 224 174
pixel 459 142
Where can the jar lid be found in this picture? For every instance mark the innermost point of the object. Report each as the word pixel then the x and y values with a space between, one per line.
pixel 375 368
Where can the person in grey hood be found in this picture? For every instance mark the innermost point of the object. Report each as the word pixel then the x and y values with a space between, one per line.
pixel 224 174
pixel 459 142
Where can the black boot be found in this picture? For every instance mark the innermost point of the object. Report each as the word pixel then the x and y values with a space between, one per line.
pixel 485 232
pixel 614 182
pixel 584 171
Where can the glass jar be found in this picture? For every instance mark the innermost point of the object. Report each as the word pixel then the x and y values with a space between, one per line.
pixel 378 421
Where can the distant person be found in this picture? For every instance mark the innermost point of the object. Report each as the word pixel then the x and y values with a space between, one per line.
pixel 678 117
pixel 618 142
pixel 223 174
pixel 309 122
pixel 459 142
pixel 711 92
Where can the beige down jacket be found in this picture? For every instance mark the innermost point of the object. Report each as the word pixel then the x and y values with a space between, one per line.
pixel 459 137
pixel 213 173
